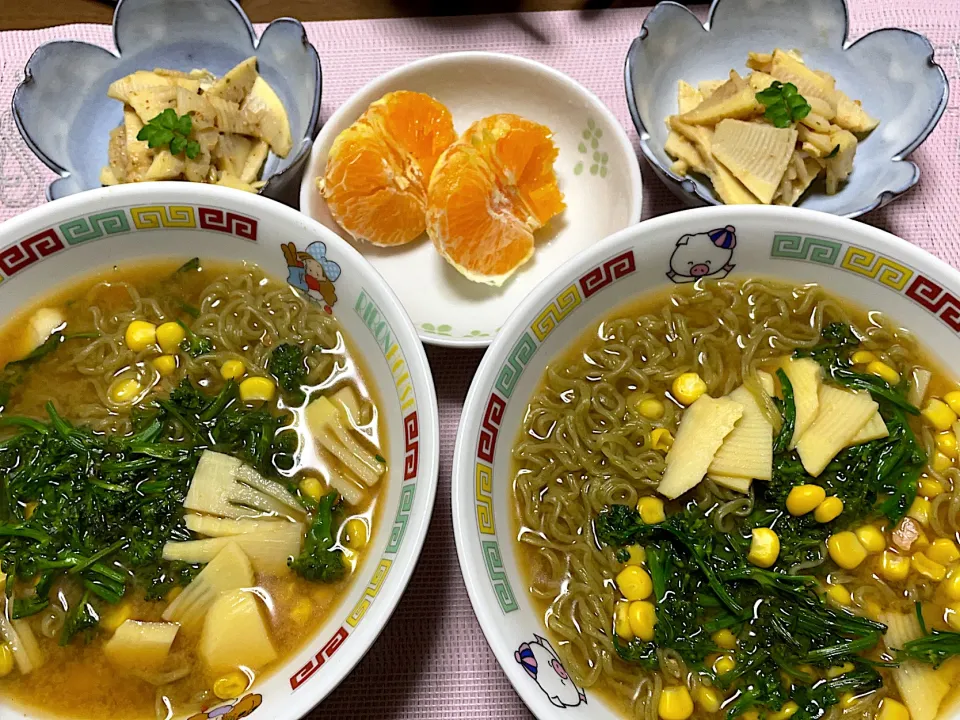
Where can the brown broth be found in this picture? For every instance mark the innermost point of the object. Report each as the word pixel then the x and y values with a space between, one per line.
pixel 78 681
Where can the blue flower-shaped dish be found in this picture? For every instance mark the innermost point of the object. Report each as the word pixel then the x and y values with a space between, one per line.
pixel 63 113
pixel 891 71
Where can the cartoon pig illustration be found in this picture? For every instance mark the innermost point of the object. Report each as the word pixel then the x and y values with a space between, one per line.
pixel 703 255
pixel 541 662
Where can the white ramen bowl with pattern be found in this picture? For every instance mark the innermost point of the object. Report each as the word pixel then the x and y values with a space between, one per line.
pixel 64 240
pixel 850 260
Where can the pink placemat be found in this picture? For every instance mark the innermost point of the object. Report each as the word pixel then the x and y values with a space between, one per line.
pixel 431 661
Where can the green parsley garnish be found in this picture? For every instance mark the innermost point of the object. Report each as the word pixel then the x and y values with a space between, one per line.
pixel 169 129
pixel 784 105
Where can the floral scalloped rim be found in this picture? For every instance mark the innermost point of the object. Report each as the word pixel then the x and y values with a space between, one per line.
pixel 449 331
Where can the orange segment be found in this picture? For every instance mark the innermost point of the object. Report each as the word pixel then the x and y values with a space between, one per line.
pixel 472 223
pixel 378 169
pixel 489 192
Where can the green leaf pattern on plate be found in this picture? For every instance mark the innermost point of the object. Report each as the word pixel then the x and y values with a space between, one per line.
pixel 448 331
pixel 596 160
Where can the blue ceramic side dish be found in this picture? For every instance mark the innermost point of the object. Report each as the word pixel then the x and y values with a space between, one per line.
pixel 891 71
pixel 63 113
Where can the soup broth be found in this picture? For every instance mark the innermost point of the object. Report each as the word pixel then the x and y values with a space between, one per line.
pixel 620 571
pixel 146 414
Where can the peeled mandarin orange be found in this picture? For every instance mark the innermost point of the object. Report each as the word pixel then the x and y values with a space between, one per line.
pixel 378 169
pixel 488 194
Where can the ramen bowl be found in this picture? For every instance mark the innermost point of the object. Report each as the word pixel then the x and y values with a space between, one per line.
pixel 46 248
pixel 851 261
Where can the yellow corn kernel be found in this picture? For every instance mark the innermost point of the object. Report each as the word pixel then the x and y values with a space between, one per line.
pixel 257 389
pixel 894 567
pixel 709 699
pixel 805 498
pixel 929 487
pixel 116 616
pixel 634 583
pixel 943 551
pixel 939 415
pixel 675 703
pixel 829 510
pixel 642 617
pixel 764 547
pixel 951 586
pixel 846 550
pixel 302 611
pixel 952 399
pixel 952 616
pixel 356 533
pixel 638 556
pixel 838 670
pixel 724 664
pixel 839 594
pixel 724 639
pixel 786 711
pixel 140 335
pixel 871 538
pixel 661 439
pixel 165 364
pixel 863 357
pixel 124 390
pixel 231 685
pixel 29 509
pixel 927 567
pixel 6 660
pixel 169 337
pixel 920 510
pixel 884 372
pixel 173 594
pixel 651 408
pixel 941 463
pixel 946 443
pixel 749 715
pixel 891 709
pixel 621 621
pixel 312 488
pixel 232 370
pixel 688 387
pixel 651 510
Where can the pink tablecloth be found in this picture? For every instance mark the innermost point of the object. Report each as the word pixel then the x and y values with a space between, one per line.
pixel 432 661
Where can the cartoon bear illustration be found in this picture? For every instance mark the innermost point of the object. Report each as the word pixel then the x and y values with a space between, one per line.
pixel 703 255
pixel 543 664
pixel 232 711
pixel 313 272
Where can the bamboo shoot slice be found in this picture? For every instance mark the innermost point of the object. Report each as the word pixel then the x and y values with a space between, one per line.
pixel 268 551
pixel 747 452
pixel 921 687
pixel 229 570
pixel 842 415
pixel 139 80
pixel 708 88
pixel 787 69
pixel 141 645
pixel 805 377
pixel 730 190
pixel 738 484
pixel 688 97
pixel 734 99
pixel 150 102
pixel 875 429
pixel 263 110
pixel 703 427
pixel 235 634
pixel 756 154
pixel 254 163
pixel 851 115
pixel 237 82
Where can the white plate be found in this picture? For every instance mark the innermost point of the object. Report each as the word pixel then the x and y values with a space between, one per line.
pixel 597 170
